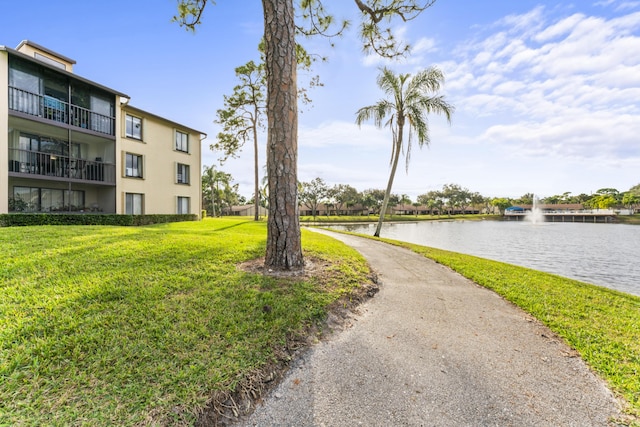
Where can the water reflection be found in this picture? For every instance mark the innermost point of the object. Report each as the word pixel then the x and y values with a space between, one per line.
pixel 602 254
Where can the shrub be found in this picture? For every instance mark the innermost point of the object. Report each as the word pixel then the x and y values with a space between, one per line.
pixel 14 219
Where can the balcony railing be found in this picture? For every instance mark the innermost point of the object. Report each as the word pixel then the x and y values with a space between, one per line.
pixel 53 109
pixel 55 166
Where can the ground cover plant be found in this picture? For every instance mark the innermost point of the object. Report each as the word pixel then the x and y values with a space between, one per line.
pixel 105 325
pixel 603 325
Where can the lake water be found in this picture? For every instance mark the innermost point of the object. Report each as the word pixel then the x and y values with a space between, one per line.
pixel 602 254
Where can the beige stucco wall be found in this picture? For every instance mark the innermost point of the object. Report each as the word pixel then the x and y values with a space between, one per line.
pixel 157 147
pixel 4 131
pixel 30 50
pixel 160 159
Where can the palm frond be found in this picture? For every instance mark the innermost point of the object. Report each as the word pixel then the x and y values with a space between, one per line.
pixel 388 82
pixel 438 105
pixel 409 100
pixel 418 124
pixel 428 81
pixel 376 112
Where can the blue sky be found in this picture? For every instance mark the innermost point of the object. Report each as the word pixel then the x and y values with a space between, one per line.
pixel 547 93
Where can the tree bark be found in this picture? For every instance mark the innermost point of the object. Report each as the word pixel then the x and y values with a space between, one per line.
pixel 284 248
pixel 256 178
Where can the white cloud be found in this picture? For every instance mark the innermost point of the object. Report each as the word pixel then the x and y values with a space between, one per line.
pixel 561 28
pixel 509 88
pixel 598 135
pixel 567 88
pixel 366 137
pixel 424 45
pixel 550 101
pixel 604 3
pixel 629 5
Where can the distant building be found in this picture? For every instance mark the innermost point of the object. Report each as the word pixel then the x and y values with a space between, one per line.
pixel 244 210
pixel 333 209
pixel 559 212
pixel 548 208
pixel 72 145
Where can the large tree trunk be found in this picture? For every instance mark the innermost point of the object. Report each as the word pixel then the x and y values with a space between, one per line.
pixel 284 249
pixel 256 178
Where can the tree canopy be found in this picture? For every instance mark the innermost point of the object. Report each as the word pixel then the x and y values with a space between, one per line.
pixel 284 249
pixel 312 193
pixel 241 118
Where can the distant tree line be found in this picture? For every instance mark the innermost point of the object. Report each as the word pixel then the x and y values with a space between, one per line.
pixel 451 199
pixel 604 198
pixel 319 198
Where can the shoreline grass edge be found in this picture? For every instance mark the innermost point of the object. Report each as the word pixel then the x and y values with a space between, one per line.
pixel 601 324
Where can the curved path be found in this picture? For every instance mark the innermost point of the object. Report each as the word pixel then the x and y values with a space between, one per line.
pixel 434 349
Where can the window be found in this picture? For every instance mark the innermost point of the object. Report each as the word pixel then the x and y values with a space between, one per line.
pixel 182 141
pixel 25 76
pixel 75 199
pixel 133 127
pixel 25 87
pixel 46 144
pixel 49 61
pixel 133 165
pixel 133 203
pixel 25 199
pixel 183 205
pixel 101 116
pixel 34 199
pixel 182 174
pixel 52 200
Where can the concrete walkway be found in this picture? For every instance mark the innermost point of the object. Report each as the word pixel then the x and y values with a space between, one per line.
pixel 434 349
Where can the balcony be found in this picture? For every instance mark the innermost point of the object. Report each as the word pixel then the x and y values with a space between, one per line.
pixel 55 167
pixel 53 109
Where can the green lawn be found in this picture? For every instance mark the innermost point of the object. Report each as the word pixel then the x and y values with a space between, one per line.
pixel 131 325
pixel 109 326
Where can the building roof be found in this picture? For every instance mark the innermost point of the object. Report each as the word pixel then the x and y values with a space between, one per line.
pixel 245 208
pixel 556 206
pixel 75 76
pixel 404 207
pixel 134 110
pixel 59 70
pixel 324 207
pixel 44 49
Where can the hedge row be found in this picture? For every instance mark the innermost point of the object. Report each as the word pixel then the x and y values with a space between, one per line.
pixel 10 220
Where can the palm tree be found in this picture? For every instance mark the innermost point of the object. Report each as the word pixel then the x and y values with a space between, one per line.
pixel 211 180
pixel 208 190
pixel 404 200
pixel 410 100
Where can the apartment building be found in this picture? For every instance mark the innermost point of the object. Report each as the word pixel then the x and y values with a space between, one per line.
pixel 73 145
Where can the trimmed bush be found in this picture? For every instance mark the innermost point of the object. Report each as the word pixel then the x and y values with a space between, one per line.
pixel 13 220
